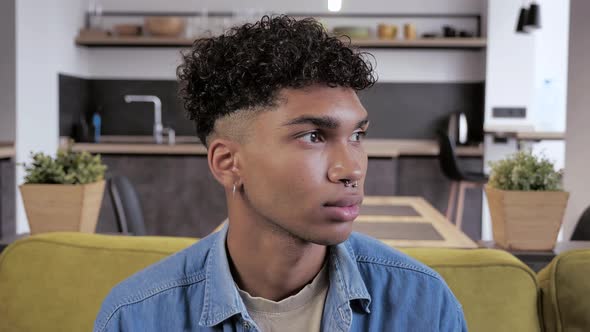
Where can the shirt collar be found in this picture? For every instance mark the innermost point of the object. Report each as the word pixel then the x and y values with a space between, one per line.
pixel 222 300
pixel 345 277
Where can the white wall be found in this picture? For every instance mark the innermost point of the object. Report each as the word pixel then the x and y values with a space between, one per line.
pixel 548 108
pixel 7 72
pixel 518 65
pixel 551 58
pixel 392 65
pixel 510 62
pixel 577 153
pixel 45 32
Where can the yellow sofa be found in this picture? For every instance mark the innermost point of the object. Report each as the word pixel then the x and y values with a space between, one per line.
pixel 57 281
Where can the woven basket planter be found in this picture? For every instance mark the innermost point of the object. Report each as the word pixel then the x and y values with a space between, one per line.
pixel 526 220
pixel 62 207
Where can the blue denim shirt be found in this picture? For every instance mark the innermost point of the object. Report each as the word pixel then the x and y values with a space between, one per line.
pixel 372 288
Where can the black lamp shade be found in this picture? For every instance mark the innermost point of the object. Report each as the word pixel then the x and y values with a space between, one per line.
pixel 533 18
pixel 522 20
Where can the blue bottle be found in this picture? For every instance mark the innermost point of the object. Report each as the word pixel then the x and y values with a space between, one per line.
pixel 96 122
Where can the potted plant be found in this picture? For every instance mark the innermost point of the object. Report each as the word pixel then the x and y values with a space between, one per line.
pixel 63 193
pixel 526 202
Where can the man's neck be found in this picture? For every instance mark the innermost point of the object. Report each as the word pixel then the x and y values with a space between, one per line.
pixel 270 263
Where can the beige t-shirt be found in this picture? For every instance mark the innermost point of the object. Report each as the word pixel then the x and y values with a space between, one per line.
pixel 300 312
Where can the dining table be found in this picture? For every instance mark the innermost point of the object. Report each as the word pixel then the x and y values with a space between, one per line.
pixel 407 221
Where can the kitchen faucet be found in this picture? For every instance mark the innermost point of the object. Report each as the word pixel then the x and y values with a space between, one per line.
pixel 158 128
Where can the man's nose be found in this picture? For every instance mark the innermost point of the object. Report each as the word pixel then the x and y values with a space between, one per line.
pixel 345 165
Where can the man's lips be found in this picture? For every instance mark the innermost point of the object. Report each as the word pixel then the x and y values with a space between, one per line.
pixel 343 209
pixel 346 201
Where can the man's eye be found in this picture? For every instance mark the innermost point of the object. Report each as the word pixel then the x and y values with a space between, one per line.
pixel 313 137
pixel 358 136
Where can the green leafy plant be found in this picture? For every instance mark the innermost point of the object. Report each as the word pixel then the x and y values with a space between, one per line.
pixel 525 171
pixel 67 167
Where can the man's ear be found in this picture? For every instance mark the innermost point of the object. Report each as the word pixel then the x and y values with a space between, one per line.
pixel 223 161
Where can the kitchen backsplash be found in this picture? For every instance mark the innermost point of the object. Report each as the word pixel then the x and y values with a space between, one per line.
pixel 397 110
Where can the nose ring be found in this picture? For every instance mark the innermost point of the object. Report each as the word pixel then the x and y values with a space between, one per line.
pixel 347 184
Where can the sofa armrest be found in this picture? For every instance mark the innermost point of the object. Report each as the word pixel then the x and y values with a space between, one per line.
pixel 498 292
pixel 565 292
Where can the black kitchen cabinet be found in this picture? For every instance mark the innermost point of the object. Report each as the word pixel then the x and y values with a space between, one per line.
pixel 7 198
pixel 179 196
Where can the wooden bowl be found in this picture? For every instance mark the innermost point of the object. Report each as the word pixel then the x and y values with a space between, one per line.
pixel 164 26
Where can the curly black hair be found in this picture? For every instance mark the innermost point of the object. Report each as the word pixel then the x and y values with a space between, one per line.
pixel 246 67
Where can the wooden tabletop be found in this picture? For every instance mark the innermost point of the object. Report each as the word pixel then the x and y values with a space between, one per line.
pixel 376 148
pixel 408 222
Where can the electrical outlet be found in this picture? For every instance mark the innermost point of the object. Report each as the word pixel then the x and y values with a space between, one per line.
pixel 509 112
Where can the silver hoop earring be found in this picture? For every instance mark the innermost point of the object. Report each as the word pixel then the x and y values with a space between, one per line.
pixel 234 190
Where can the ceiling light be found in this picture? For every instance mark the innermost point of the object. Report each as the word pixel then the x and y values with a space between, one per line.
pixel 334 5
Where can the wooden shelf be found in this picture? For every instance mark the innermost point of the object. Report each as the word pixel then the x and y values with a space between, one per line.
pixel 425 43
pixel 428 43
pixel 108 41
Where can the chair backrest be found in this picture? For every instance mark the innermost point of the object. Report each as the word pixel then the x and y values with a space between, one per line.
pixel 447 157
pixel 582 231
pixel 126 205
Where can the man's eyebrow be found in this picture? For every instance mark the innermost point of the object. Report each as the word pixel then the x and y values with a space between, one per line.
pixel 327 122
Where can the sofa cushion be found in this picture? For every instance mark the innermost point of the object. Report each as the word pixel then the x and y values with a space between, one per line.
pixel 57 281
pixel 565 288
pixel 497 291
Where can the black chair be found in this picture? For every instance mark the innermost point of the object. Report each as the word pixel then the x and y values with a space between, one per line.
pixel 460 180
pixel 582 231
pixel 127 206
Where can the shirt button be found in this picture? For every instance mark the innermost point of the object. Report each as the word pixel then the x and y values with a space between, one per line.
pixel 246 325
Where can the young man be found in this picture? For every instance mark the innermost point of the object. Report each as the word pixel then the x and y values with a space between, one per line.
pixel 275 102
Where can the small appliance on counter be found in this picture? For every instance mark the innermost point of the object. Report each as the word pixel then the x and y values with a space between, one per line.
pixel 81 131
pixel 85 131
pixel 458 128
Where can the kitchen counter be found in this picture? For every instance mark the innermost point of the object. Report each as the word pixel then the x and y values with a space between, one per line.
pixel 524 133
pixel 376 148
pixel 7 150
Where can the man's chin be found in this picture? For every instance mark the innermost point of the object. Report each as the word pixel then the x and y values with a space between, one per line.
pixel 333 238
pixel 330 242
